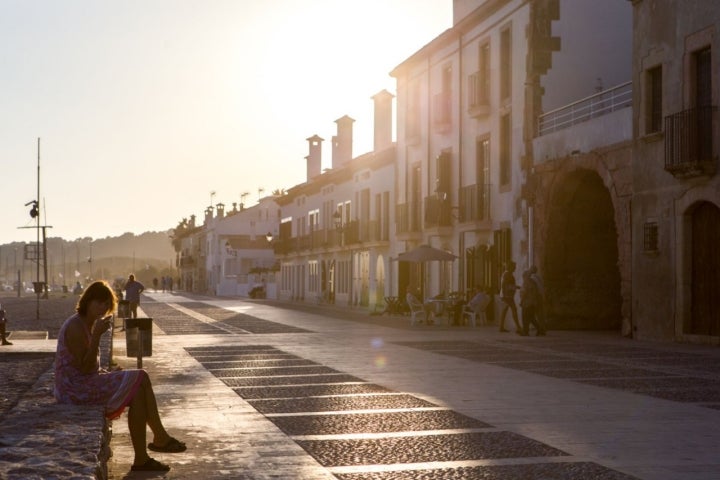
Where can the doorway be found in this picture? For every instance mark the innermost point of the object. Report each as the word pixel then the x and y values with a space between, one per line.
pixel 581 257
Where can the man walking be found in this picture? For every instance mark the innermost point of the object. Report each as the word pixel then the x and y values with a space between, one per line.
pixel 133 289
pixel 508 286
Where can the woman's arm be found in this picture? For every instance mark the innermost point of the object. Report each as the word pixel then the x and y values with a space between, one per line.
pixel 85 353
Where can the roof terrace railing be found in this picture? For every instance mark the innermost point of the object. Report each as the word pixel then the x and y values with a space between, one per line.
pixel 583 110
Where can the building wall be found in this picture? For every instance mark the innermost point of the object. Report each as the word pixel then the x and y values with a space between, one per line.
pixel 667 34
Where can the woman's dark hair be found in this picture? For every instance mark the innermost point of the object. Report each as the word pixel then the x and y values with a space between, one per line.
pixel 99 290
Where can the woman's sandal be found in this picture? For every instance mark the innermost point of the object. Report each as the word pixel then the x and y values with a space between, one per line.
pixel 151 465
pixel 172 446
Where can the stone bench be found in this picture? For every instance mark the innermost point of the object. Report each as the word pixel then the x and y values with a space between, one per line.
pixel 40 438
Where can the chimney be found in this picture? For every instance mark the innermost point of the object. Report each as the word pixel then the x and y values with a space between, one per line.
pixel 192 221
pixel 342 142
pixel 208 214
pixel 314 158
pixel 220 210
pixel 383 120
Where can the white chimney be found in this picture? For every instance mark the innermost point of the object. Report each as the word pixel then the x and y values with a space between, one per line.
pixel 342 142
pixel 314 158
pixel 383 120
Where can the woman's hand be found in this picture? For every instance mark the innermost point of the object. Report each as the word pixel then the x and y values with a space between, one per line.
pixel 101 326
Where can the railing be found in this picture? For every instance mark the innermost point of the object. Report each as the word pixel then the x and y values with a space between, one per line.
pixel 474 203
pixel 477 91
pixel 583 110
pixel 407 218
pixel 689 141
pixel 437 212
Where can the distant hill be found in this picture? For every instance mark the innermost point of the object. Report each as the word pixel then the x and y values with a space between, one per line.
pixel 148 255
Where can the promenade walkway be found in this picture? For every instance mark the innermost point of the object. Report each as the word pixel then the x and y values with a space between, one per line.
pixel 261 391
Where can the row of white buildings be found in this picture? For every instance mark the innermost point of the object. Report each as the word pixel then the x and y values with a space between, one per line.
pixel 574 135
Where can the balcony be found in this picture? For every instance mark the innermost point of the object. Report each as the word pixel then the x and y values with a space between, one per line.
pixel 438 212
pixel 597 105
pixel 407 218
pixel 689 142
pixel 474 203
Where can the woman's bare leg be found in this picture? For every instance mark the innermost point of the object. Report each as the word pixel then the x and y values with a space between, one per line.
pixel 143 412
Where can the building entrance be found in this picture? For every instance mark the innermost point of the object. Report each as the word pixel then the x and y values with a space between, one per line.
pixel 581 256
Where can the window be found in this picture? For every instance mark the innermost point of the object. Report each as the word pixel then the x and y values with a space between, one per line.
pixel 482 162
pixel 703 77
pixel 505 153
pixel 313 276
pixel 484 72
pixel 442 101
pixel 505 64
pixel 703 103
pixel 653 121
pixel 442 178
pixel 412 123
pixel 650 237
pixel 314 220
pixel 479 83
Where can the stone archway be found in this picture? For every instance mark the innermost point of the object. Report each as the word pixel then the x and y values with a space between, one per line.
pixel 582 278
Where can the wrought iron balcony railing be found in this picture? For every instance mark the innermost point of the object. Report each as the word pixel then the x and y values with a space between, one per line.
pixel 474 203
pixel 689 142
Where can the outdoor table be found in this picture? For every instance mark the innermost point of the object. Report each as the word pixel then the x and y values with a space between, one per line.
pixel 437 306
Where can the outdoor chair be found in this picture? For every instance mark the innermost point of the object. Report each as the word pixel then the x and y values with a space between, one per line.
pixel 416 309
pixel 471 312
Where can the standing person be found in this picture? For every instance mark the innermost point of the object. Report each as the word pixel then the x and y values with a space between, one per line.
pixel 3 323
pixel 133 289
pixel 529 299
pixel 155 283
pixel 540 308
pixel 508 286
pixel 79 380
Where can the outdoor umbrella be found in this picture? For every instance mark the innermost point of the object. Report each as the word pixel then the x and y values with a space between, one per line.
pixel 422 254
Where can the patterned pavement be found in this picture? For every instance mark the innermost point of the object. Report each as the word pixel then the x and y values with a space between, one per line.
pixel 258 391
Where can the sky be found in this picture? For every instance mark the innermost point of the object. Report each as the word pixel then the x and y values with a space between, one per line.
pixel 143 108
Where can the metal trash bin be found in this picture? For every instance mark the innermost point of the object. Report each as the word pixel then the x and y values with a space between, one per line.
pixel 123 309
pixel 138 338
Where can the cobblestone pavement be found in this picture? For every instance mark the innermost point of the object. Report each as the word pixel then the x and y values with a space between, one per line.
pixel 262 390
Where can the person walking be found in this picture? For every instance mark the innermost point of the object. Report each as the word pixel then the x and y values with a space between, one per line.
pixel 3 323
pixel 79 380
pixel 529 300
pixel 508 287
pixel 540 308
pixel 133 289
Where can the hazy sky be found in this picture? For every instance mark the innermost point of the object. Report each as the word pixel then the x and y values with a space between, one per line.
pixel 144 107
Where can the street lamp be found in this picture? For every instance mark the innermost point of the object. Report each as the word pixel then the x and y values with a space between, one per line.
pixel 269 237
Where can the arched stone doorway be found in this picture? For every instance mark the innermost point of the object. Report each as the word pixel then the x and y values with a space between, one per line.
pixel 582 279
pixel 704 224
